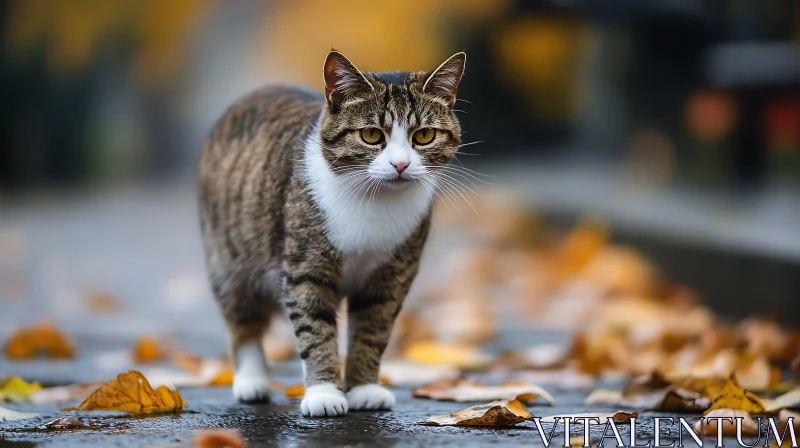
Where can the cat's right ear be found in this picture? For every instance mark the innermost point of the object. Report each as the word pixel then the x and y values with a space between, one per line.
pixel 342 79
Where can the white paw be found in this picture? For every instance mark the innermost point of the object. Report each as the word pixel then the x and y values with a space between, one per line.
pixel 251 388
pixel 324 400
pixel 370 397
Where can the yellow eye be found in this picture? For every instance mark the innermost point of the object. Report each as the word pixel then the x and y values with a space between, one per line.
pixel 424 136
pixel 371 136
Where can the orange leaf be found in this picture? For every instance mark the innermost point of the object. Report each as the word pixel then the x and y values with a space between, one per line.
pixel 223 378
pixel 295 391
pixel 147 350
pixel 131 392
pixel 218 438
pixel 42 339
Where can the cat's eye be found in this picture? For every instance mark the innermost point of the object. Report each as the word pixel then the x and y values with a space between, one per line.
pixel 424 136
pixel 371 136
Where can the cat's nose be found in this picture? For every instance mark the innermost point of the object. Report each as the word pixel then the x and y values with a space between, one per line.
pixel 400 166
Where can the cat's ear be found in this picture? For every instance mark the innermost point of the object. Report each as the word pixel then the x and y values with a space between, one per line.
pixel 342 79
pixel 443 81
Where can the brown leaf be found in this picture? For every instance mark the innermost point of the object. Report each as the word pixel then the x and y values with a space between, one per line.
pixel 619 416
pixel 496 413
pixel 732 396
pixel 65 423
pixel 680 400
pixel 218 438
pixel 147 350
pixel 705 427
pixel 473 390
pixel 42 339
pixel 131 392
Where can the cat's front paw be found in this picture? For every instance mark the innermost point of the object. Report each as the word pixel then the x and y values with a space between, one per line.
pixel 324 400
pixel 251 388
pixel 370 397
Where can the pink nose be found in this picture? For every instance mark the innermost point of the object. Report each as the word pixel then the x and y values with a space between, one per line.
pixel 400 166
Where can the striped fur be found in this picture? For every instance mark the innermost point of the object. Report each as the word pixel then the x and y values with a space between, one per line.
pixel 272 230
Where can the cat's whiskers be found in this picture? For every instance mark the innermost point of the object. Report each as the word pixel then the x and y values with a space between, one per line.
pixel 457 188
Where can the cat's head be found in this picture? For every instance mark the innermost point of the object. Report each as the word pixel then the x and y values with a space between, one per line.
pixel 394 128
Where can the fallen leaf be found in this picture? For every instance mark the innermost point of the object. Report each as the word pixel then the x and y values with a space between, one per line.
pixel 7 415
pixel 61 394
pixel 619 416
pixel 408 373
pixel 732 396
pixel 218 438
pixel 707 427
pixel 202 373
pixel 42 339
pixel 15 389
pixel 102 302
pixel 65 423
pixel 460 389
pixel 496 413
pixel 131 392
pixel 707 387
pixel 223 378
pixel 605 397
pixel 680 401
pixel 463 356
pixel 787 400
pixel 147 350
pixel 296 391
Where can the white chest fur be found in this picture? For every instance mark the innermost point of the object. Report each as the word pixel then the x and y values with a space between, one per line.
pixel 366 229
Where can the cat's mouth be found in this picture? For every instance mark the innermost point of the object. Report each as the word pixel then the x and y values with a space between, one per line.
pixel 396 183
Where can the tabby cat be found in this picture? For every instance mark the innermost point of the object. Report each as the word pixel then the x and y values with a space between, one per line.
pixel 307 199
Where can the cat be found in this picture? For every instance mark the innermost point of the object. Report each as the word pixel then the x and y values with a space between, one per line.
pixel 307 199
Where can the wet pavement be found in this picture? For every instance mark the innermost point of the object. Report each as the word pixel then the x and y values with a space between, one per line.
pixel 280 424
pixel 142 245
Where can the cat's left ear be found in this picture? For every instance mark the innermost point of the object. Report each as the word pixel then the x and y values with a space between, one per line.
pixel 443 81
pixel 342 79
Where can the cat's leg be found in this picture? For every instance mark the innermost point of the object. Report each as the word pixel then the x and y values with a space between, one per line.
pixel 312 304
pixel 371 316
pixel 370 321
pixel 247 317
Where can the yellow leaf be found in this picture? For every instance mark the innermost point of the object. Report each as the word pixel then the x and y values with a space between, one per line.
pixel 131 392
pixel 43 339
pixel 732 396
pixel 147 350
pixel 464 356
pixel 496 413
pixel 16 389
pixel 295 391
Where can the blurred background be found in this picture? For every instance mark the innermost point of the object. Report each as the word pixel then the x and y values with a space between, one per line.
pixel 676 122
